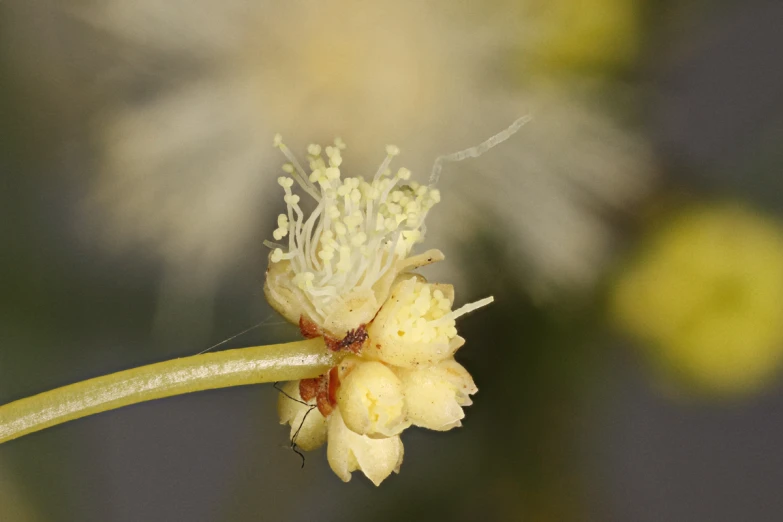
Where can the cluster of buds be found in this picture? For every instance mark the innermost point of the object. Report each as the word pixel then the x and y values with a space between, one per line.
pixel 347 275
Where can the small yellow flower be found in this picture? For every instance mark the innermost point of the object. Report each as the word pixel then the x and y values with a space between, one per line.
pixel 582 35
pixel 707 294
pixel 345 274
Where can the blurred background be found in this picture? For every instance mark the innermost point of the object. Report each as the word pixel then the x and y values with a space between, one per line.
pixel 629 368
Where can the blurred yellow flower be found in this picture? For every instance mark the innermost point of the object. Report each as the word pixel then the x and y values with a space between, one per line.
pixel 594 34
pixel 579 35
pixel 707 296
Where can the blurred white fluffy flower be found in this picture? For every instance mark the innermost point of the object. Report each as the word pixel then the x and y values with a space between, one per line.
pixel 184 166
pixel 190 92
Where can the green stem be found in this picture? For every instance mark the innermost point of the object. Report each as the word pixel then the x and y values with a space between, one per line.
pixel 278 362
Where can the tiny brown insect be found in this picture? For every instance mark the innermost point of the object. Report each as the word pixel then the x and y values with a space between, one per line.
pixel 353 340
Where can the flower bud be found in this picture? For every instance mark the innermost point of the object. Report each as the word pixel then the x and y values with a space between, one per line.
pixel 414 327
pixel 348 451
pixel 371 399
pixel 304 418
pixel 436 394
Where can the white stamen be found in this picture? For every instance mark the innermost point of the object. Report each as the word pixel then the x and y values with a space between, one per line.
pixel 358 230
pixel 462 310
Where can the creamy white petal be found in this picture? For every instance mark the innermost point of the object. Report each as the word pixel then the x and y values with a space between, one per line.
pixel 436 394
pixel 303 418
pixel 348 451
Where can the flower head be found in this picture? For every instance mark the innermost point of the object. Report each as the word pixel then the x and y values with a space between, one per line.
pixel 345 274
pixel 340 261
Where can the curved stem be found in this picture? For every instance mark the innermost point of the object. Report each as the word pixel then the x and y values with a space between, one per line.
pixel 278 362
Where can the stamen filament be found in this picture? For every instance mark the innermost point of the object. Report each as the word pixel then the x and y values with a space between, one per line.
pixel 462 311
